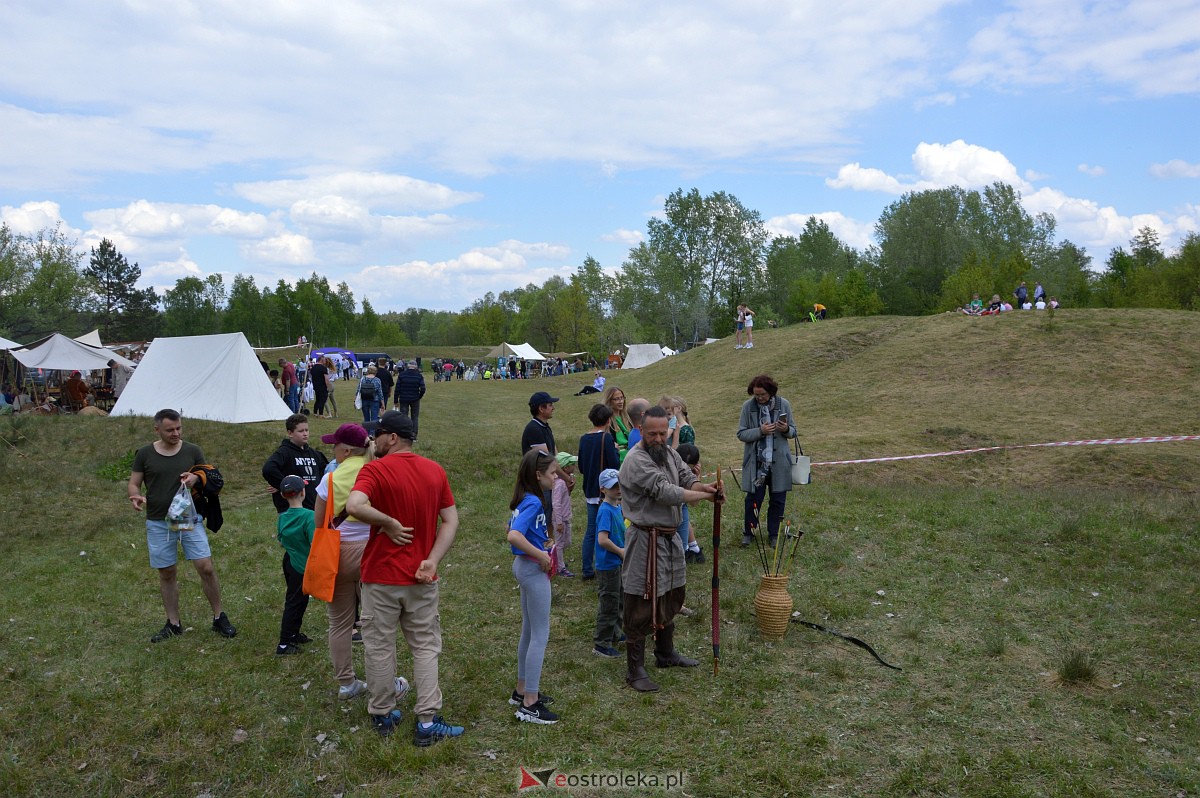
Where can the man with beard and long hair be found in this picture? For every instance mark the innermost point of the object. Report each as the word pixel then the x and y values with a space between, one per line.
pixel 655 483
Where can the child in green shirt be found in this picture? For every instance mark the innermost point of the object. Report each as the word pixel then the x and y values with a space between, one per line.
pixel 295 533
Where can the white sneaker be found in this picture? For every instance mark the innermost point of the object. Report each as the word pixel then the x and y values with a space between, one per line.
pixel 401 688
pixel 348 691
pixel 748 346
pixel 737 346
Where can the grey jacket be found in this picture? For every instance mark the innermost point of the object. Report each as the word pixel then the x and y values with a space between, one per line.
pixel 750 435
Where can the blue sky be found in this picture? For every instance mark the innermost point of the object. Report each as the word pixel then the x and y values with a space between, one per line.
pixel 428 153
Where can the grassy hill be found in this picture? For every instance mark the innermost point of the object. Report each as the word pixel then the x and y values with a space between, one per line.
pixel 991 578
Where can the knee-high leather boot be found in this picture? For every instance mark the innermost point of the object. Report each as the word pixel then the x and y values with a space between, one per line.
pixel 665 655
pixel 635 656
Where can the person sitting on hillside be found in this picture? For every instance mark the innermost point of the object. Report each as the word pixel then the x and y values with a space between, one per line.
pixel 974 307
pixel 1053 302
pixel 994 307
pixel 1040 304
pixel 597 386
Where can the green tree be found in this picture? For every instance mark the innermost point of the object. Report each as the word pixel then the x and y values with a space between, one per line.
pixel 194 306
pixel 122 311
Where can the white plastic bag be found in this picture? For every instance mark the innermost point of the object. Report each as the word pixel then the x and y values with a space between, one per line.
pixel 181 515
pixel 309 393
pixel 357 400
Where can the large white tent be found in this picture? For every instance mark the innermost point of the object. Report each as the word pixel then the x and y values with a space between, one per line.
pixel 64 354
pixel 6 344
pixel 215 377
pixel 641 355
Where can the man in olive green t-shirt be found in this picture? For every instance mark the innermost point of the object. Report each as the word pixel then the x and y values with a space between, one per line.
pixel 162 467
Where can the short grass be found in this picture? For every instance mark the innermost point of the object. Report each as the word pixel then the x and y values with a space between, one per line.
pixel 989 578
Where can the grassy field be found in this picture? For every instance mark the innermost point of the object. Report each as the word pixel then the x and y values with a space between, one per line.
pixel 1042 603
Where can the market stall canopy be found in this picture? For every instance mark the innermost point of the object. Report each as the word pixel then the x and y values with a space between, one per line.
pixel 215 377
pixel 62 353
pixel 6 344
pixel 518 350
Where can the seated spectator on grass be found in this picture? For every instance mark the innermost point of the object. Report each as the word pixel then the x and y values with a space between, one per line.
pixel 994 307
pixel 597 386
pixel 974 307
pixel 1053 302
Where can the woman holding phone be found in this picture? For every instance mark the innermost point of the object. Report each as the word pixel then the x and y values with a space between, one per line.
pixel 764 428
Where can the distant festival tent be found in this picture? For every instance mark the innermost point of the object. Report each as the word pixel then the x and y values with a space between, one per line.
pixel 91 339
pixel 516 350
pixel 642 355
pixel 215 377
pixel 6 344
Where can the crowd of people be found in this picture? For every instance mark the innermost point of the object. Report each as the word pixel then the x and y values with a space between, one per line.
pixel 638 467
pixel 1024 301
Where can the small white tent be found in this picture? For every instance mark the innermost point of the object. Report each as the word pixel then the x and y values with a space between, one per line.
pixel 641 355
pixel 6 344
pixel 215 377
pixel 516 350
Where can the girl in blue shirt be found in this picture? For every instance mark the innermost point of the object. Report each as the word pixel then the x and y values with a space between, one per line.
pixel 532 564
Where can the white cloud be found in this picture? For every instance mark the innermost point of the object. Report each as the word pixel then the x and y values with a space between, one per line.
pixel 630 238
pixel 1149 47
pixel 453 283
pixel 1175 168
pixel 1094 171
pixel 368 190
pixel 163 274
pixel 850 231
pixel 285 249
pixel 941 98
pixel 937 166
pixel 461 85
pixel 175 221
pixel 32 217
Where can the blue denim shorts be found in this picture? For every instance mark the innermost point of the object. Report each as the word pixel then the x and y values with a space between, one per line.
pixel 163 544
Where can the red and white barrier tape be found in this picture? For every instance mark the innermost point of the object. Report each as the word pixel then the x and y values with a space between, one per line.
pixel 1095 442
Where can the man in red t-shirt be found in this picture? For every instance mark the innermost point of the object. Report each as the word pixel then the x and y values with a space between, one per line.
pixel 291 385
pixel 407 501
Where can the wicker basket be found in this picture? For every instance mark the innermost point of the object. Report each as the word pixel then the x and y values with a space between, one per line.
pixel 773 607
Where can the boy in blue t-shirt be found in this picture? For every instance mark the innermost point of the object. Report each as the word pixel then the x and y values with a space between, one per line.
pixel 295 530
pixel 610 552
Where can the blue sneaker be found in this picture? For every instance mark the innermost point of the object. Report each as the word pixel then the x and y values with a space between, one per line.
pixel 437 732
pixel 386 724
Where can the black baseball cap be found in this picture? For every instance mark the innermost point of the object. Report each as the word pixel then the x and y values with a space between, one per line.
pixel 397 422
pixel 541 398
pixel 292 485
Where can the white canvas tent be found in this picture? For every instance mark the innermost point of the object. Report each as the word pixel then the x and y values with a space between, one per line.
pixel 518 350
pixel 6 344
pixel 215 377
pixel 641 355
pixel 91 339
pixel 64 354
pixel 668 351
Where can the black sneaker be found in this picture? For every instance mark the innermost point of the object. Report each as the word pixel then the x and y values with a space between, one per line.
pixel 301 638
pixel 605 651
pixel 288 650
pixel 223 627
pixel 168 631
pixel 440 730
pixel 747 541
pixel 386 724
pixel 537 714
pixel 516 699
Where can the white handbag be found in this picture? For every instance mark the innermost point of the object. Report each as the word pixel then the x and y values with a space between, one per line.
pixel 801 466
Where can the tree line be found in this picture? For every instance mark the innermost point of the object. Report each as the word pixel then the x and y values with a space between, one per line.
pixel 934 249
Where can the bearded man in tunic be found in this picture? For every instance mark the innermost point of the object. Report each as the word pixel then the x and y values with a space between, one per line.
pixel 655 484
